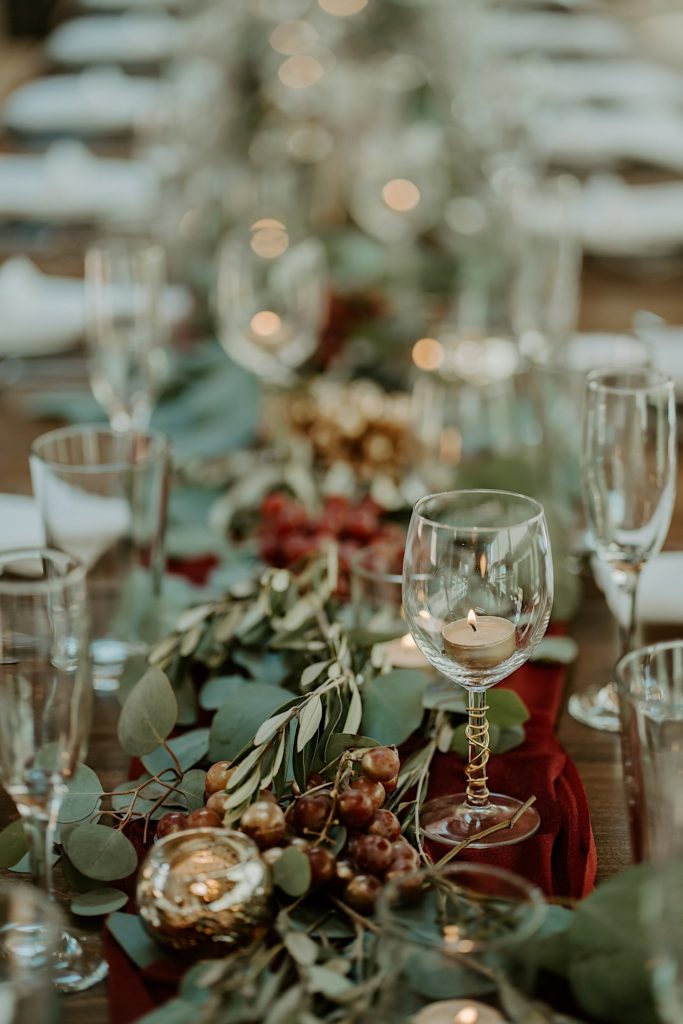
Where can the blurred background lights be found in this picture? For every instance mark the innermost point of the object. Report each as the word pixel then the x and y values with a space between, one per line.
pixel 265 324
pixel 310 144
pixel 343 8
pixel 401 195
pixel 300 71
pixel 293 37
pixel 269 238
pixel 428 354
pixel 466 216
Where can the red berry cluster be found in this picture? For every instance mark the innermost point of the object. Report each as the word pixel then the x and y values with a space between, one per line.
pixel 289 533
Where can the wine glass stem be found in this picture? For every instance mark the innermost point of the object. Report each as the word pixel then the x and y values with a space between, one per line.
pixel 627 626
pixel 39 833
pixel 477 732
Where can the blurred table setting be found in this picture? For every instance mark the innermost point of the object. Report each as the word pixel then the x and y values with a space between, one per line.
pixel 341 634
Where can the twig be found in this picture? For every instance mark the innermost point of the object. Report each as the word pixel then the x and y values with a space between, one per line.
pixel 357 918
pixel 508 823
pixel 171 753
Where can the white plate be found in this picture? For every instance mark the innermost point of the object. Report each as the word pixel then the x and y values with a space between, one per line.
pixel 42 313
pixel 123 39
pixel 20 523
pixel 68 184
pixel 97 101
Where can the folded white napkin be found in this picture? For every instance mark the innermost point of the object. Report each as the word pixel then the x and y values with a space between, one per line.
pixel 69 183
pixel 660 594
pixel 616 219
pixel 20 523
pixel 523 32
pixel 666 345
pixel 96 101
pixel 628 82
pixel 125 39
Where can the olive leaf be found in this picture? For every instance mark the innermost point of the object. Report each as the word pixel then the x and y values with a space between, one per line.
pixel 148 714
pixel 98 902
pixel 310 718
pixel 13 844
pixel 82 796
pixel 292 872
pixel 101 852
pixel 301 948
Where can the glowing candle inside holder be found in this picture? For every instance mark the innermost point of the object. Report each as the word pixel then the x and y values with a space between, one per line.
pixel 458 1011
pixel 403 652
pixel 483 641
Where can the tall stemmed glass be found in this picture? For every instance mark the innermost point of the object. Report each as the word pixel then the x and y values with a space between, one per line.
pixel 126 328
pixel 477 594
pixel 628 474
pixel 45 705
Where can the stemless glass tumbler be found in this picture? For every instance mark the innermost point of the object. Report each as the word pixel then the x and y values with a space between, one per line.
pixel 127 330
pixel 30 935
pixel 45 712
pixel 477 594
pixel 629 481
pixel 102 497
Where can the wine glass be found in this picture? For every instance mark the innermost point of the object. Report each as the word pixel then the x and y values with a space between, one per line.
pixel 477 593
pixel 126 328
pixel 628 474
pixel 45 705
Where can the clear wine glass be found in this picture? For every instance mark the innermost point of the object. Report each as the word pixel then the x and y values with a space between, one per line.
pixel 477 594
pixel 45 708
pixel 127 332
pixel 628 474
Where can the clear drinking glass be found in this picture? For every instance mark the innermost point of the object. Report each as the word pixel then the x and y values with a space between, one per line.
pixel 629 479
pixel 270 298
pixel 31 930
pixel 649 684
pixel 102 496
pixel 45 712
pixel 477 594
pixel 443 933
pixel 127 331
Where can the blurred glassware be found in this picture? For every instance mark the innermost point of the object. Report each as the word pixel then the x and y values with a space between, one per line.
pixel 441 929
pixel 127 330
pixel 557 381
pixel 271 297
pixel 102 497
pixel 628 473
pixel 31 929
pixel 45 715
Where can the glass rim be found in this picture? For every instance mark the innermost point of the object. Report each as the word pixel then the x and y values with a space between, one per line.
pixel 357 567
pixel 161 441
pixel 74 576
pixel 534 899
pixel 656 381
pixel 640 653
pixel 538 514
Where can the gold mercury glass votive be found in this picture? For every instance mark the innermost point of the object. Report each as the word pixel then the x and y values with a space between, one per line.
pixel 205 890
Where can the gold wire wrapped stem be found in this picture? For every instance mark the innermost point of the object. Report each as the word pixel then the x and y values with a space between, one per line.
pixel 477 732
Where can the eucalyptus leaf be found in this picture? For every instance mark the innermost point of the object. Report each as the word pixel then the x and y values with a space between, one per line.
pixel 13 844
pixel 75 879
pixel 292 872
pixel 101 852
pixel 82 796
pixel 506 709
pixel 98 902
pixel 148 715
pixel 189 749
pixel 443 695
pixel 328 983
pixel 234 725
pixel 392 706
pixel 192 787
pixel 218 691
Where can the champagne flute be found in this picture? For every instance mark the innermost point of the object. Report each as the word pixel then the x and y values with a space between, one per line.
pixel 628 474
pixel 45 705
pixel 126 328
pixel 477 594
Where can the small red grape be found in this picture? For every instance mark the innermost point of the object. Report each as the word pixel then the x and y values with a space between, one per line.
pixel 373 854
pixel 172 822
pixel 361 892
pixel 380 763
pixel 385 823
pixel 265 823
pixel 203 818
pixel 375 790
pixel 354 808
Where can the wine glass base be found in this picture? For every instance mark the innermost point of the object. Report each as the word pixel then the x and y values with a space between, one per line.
pixel 451 820
pixel 597 708
pixel 75 966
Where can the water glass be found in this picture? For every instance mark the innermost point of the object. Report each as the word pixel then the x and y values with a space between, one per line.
pixel 45 714
pixel 446 931
pixel 30 934
pixel 102 496
pixel 127 331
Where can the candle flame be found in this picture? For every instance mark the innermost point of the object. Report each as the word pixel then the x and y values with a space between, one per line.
pixel 472 619
pixel 468 1015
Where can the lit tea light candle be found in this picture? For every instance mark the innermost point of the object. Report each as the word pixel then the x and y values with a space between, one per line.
pixel 403 652
pixel 458 1011
pixel 482 641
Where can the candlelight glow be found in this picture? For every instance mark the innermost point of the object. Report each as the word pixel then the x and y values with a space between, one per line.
pixel 265 323
pixel 482 566
pixel 269 238
pixel 468 1015
pixel 407 642
pixel 342 8
pixel 472 618
pixel 300 71
pixel 292 37
pixel 401 195
pixel 428 354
